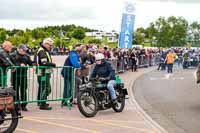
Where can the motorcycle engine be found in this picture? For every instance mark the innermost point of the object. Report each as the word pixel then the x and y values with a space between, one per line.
pixel 103 99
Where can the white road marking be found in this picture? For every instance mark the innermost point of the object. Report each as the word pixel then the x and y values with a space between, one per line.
pixel 167 76
pixel 152 78
pixel 195 74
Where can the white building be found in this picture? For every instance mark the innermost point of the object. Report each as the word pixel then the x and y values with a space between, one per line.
pixel 111 36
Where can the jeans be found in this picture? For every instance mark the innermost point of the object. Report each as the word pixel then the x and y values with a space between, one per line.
pixel 169 68
pixel 68 87
pixel 111 89
pixel 121 67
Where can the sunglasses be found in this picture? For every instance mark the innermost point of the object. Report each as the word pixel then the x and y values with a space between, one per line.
pixel 50 45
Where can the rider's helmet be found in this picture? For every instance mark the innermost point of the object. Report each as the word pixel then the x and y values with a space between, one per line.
pixel 99 58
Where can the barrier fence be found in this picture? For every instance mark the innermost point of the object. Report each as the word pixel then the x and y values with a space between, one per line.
pixel 1 77
pixel 41 84
pixel 143 61
pixel 44 84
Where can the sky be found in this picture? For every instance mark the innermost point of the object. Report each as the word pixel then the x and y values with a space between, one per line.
pixel 96 14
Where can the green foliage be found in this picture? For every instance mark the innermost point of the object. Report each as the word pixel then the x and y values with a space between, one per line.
pixel 164 32
pixel 194 34
pixel 95 41
pixel 2 35
pixel 34 37
pixel 78 33
pixel 112 45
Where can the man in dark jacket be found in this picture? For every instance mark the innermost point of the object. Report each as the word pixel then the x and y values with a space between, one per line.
pixel 5 61
pixel 71 62
pixel 103 69
pixel 19 77
pixel 43 59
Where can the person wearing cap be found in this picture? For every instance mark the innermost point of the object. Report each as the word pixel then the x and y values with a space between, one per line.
pixel 5 60
pixel 19 76
pixel 43 58
pixel 71 62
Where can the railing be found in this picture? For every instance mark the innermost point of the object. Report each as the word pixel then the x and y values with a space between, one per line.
pixel 41 84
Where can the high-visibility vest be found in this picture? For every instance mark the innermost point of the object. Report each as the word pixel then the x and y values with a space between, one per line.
pixel 49 70
pixel 47 53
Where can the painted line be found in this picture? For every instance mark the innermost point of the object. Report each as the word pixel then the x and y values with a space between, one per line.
pixel 104 122
pixel 195 74
pixel 62 125
pixel 151 78
pixel 167 76
pixel 121 126
pixel 52 118
pixel 118 121
pixel 26 131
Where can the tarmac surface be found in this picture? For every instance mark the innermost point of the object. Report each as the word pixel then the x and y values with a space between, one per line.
pixel 172 100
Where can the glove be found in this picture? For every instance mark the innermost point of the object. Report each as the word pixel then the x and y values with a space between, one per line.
pixel 92 79
pixel 102 79
pixel 53 65
pixel 107 78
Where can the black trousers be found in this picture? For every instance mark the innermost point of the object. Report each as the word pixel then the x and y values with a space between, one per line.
pixel 134 65
pixel 20 86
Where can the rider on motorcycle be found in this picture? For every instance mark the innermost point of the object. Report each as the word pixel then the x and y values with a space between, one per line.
pixel 104 71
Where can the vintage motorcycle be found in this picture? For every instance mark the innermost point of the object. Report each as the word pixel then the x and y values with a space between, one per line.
pixel 94 96
pixel 190 62
pixel 9 114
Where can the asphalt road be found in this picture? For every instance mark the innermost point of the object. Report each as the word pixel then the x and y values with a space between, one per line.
pixel 171 100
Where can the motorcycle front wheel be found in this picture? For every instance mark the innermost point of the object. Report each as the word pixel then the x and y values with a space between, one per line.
pixel 87 104
pixel 8 121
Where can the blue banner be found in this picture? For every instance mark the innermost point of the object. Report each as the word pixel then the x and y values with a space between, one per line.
pixel 126 33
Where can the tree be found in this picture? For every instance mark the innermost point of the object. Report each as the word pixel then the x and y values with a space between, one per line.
pixel 3 35
pixel 78 34
pixel 95 41
pixel 168 32
pixel 139 36
pixel 57 42
pixel 194 33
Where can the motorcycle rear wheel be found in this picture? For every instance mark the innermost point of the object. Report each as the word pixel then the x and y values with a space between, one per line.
pixel 6 126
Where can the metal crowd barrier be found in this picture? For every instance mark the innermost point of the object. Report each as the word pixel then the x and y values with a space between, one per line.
pixel 143 61
pixel 41 84
pixel 2 78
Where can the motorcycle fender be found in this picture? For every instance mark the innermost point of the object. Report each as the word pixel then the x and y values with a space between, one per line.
pixel 124 91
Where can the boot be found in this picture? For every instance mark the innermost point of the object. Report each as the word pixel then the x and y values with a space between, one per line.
pixel 44 106
pixel 39 103
pixel 24 108
pixel 114 101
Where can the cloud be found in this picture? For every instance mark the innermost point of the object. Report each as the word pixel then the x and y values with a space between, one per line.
pixel 96 14
pixel 54 10
pixel 177 1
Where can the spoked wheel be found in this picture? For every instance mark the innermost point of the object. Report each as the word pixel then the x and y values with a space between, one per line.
pixel 120 102
pixel 8 121
pixel 87 104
